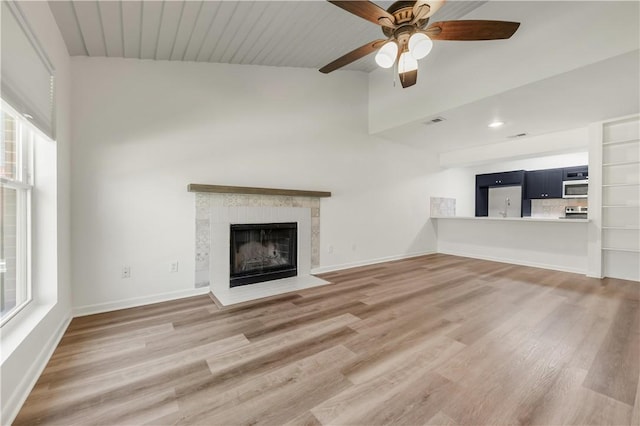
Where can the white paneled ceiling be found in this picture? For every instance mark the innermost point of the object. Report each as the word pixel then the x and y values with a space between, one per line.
pixel 306 34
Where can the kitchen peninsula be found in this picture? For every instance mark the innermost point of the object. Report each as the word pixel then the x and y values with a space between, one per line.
pixel 550 243
pixel 527 217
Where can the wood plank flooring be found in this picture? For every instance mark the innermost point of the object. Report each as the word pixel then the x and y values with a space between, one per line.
pixel 433 340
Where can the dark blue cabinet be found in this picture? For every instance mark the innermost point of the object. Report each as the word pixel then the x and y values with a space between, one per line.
pixel 543 184
pixel 499 179
pixel 482 195
pixel 575 173
pixel 536 184
pixel 485 181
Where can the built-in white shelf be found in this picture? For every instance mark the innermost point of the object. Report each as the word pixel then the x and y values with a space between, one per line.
pixel 621 142
pixel 624 228
pixel 611 185
pixel 619 232
pixel 621 249
pixel 622 163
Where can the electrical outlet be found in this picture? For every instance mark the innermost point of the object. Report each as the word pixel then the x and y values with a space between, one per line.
pixel 126 272
pixel 174 267
pixel 330 249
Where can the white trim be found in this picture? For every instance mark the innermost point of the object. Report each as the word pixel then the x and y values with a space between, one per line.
pixel 331 268
pixel 8 183
pixel 13 312
pixel 11 406
pixel 23 187
pixel 80 311
pixel 515 262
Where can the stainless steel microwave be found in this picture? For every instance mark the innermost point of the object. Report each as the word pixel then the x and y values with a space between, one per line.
pixel 575 188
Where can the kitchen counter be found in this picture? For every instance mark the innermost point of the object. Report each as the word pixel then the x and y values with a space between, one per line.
pixel 549 243
pixel 513 219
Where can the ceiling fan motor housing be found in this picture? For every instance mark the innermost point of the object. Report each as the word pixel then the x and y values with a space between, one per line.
pixel 402 11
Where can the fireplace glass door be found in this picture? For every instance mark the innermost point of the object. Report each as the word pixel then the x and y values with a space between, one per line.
pixel 262 252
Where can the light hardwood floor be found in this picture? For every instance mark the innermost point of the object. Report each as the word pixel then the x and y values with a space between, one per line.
pixel 438 340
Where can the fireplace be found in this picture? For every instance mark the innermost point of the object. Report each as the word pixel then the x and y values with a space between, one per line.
pixel 262 252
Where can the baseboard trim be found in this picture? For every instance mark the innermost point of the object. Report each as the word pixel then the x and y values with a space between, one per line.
pixel 18 398
pixel 515 262
pixel 80 311
pixel 98 308
pixel 332 268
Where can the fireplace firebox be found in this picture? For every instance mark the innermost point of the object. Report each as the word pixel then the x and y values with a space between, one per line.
pixel 263 252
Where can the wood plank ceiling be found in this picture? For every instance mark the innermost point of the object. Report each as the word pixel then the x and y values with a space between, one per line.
pixel 306 34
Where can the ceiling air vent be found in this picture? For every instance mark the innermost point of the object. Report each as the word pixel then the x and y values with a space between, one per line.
pixel 519 135
pixel 434 120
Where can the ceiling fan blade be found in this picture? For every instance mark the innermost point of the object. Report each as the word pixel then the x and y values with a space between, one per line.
pixel 471 30
pixel 425 8
pixel 352 56
pixel 369 11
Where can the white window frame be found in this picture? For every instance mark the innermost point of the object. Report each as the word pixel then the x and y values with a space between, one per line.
pixel 25 140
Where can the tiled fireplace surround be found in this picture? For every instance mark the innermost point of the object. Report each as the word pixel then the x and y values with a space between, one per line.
pixel 215 213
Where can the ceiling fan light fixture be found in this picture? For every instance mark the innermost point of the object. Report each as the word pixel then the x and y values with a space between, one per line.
pixel 387 54
pixel 407 63
pixel 420 45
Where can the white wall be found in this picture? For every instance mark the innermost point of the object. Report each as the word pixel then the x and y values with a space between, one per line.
pixel 143 130
pixel 553 143
pixel 31 336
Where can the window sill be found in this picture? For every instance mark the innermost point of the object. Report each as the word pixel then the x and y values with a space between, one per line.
pixel 24 321
pixel 15 311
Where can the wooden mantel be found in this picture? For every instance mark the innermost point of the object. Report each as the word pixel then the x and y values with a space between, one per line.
pixel 222 189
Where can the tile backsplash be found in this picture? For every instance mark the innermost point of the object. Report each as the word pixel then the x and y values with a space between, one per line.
pixel 554 207
pixel 441 206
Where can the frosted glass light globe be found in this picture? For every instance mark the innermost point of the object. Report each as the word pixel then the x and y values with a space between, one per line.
pixel 386 56
pixel 420 45
pixel 407 63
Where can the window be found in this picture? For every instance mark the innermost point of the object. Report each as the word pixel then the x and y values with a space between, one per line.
pixel 16 164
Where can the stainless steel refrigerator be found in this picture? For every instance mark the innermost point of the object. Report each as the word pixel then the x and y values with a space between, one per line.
pixel 505 201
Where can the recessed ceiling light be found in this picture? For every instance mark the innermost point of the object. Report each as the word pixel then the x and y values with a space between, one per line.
pixel 27 116
pixel 496 124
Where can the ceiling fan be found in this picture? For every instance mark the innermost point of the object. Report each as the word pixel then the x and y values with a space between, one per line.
pixel 404 24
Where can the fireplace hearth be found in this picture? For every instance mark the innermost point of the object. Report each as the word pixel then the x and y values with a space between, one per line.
pixel 262 252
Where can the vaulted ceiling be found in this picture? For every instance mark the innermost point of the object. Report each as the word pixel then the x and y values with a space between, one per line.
pixel 570 63
pixel 306 34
